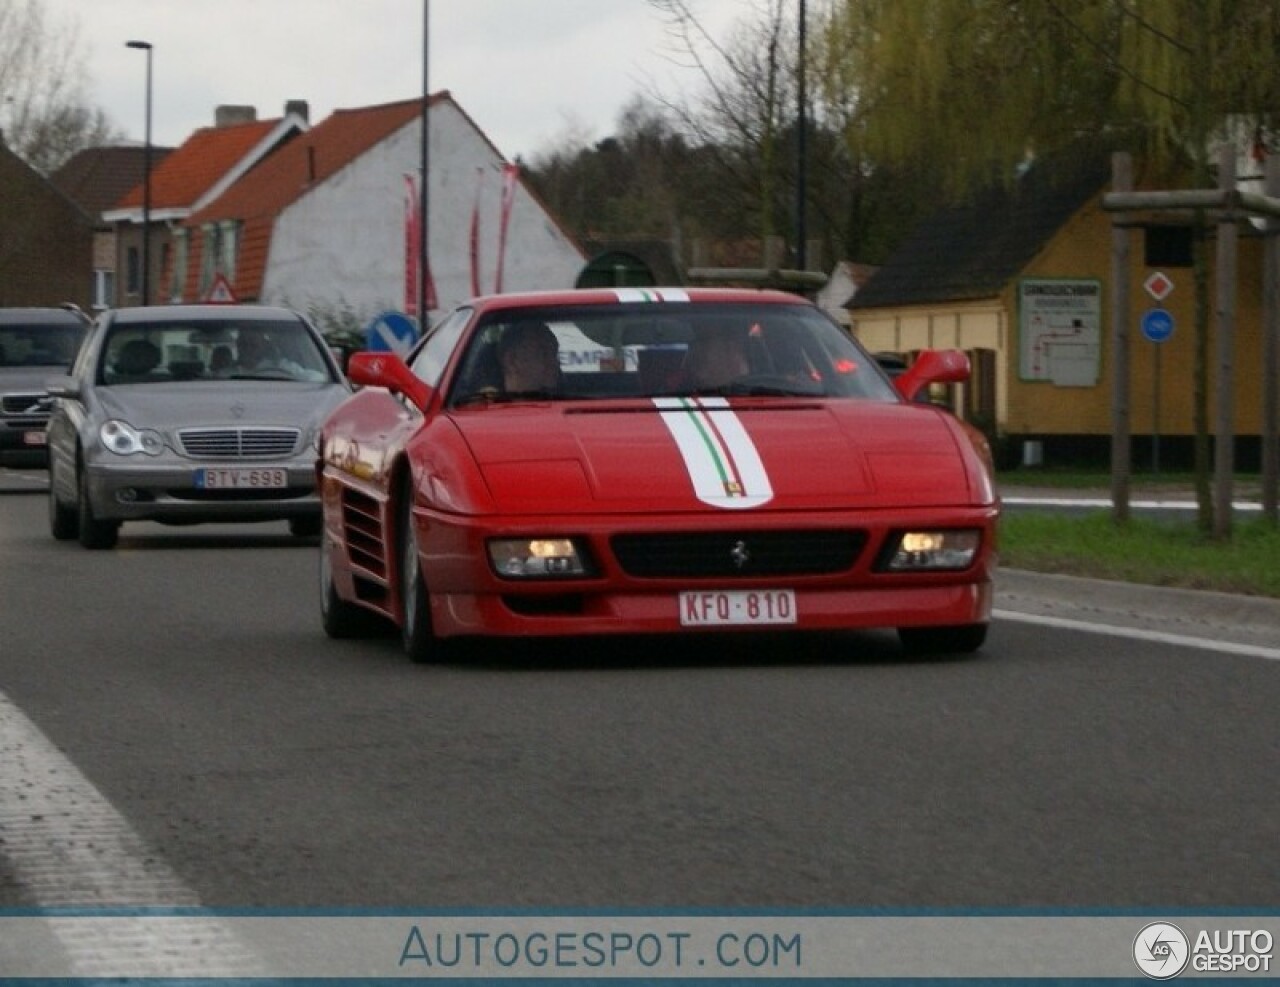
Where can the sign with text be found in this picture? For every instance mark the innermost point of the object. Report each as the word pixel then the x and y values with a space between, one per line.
pixel 1060 330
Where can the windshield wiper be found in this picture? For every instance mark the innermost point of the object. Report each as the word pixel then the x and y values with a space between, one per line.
pixel 263 375
pixel 540 394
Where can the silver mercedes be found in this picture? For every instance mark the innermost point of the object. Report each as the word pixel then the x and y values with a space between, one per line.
pixel 189 414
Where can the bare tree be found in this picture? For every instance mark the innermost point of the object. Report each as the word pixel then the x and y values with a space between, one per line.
pixel 43 109
pixel 746 113
pixel 747 101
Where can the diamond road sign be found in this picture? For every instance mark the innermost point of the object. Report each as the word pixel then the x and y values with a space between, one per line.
pixel 1159 286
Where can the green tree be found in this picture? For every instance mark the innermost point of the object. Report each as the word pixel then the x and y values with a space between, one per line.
pixel 43 108
pixel 977 83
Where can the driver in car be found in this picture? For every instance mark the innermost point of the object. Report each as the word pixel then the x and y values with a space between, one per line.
pixel 258 354
pixel 529 355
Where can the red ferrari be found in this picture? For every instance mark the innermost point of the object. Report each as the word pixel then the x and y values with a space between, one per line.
pixel 645 460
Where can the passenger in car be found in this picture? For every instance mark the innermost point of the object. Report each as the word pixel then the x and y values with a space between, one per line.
pixel 529 356
pixel 716 356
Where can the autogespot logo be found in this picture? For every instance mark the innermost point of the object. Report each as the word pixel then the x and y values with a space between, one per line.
pixel 1161 950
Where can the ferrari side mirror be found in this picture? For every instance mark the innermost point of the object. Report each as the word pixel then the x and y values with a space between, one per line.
pixel 932 367
pixel 388 370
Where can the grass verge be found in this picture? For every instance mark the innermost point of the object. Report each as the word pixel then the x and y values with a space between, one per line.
pixel 1158 552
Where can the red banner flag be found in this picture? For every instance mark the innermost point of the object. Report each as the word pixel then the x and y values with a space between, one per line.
pixel 510 176
pixel 413 262
pixel 412 217
pixel 475 235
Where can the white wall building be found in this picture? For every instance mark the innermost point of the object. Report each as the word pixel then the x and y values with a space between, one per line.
pixel 326 223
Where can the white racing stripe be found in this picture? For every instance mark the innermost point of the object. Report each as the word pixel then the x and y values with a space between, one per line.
pixel 68 847
pixel 1139 634
pixel 631 295
pixel 722 462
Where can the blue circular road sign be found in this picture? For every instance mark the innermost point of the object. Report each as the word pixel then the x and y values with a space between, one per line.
pixel 391 332
pixel 1157 324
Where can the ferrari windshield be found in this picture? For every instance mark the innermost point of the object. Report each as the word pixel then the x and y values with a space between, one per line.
pixel 271 349
pixel 664 350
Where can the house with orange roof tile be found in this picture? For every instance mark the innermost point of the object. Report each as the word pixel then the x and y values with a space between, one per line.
pixel 207 163
pixel 326 223
pixel 95 179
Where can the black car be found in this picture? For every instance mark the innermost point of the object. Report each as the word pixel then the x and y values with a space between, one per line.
pixel 35 344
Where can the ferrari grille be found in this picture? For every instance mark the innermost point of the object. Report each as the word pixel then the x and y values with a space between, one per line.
pixel 743 554
pixel 239 443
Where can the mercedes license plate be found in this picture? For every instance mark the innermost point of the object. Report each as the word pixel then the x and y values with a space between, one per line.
pixel 745 607
pixel 34 438
pixel 241 479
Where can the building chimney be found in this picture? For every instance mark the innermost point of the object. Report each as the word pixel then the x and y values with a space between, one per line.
pixel 227 116
pixel 298 107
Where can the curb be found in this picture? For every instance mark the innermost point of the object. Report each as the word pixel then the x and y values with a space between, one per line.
pixel 1247 620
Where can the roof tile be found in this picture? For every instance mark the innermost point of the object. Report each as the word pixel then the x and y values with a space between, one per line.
pixel 199 164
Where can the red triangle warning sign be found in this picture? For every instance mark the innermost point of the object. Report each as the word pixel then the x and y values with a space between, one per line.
pixel 220 292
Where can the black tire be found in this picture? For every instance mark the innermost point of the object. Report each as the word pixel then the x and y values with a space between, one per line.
pixel 305 527
pixel 93 533
pixel 416 633
pixel 340 618
pixel 64 524
pixel 961 639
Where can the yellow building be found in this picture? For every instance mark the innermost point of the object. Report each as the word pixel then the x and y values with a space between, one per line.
pixel 1020 277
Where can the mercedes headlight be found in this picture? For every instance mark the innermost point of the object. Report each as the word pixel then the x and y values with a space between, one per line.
pixel 125 440
pixel 931 551
pixel 536 558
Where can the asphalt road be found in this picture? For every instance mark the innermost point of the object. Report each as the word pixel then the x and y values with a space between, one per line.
pixel 172 713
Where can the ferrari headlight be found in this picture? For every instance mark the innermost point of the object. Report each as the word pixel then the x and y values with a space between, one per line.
pixel 536 558
pixel 125 440
pixel 928 551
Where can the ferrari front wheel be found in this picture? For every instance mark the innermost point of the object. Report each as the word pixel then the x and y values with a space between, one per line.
pixel 961 639
pixel 415 611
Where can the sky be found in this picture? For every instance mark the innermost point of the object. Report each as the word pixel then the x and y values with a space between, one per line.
pixel 530 73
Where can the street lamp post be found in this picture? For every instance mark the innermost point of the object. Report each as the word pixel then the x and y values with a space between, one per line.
pixel 802 125
pixel 424 195
pixel 146 181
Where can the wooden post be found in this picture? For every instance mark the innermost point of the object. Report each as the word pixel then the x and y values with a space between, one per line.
pixel 1121 181
pixel 1224 406
pixel 1271 351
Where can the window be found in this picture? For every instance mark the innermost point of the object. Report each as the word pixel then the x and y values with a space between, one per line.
pixel 1167 246
pixel 104 288
pixel 428 365
pixel 208 259
pixel 133 271
pixel 178 273
pixel 227 248
pixel 219 253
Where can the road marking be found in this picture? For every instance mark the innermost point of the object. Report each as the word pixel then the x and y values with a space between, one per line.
pixel 1138 634
pixel 68 847
pixel 1146 505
